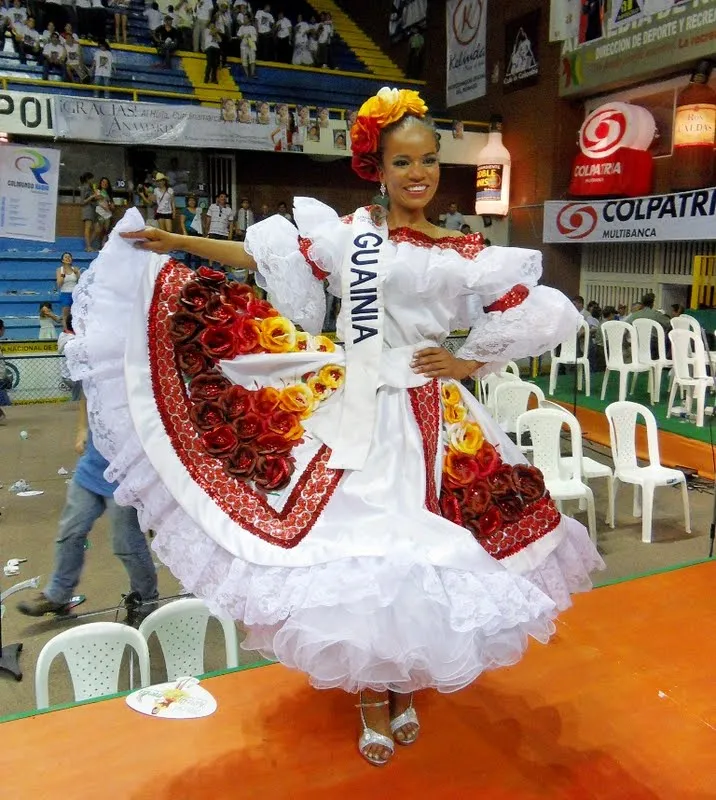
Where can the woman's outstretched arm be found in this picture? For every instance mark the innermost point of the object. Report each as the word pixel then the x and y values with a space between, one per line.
pixel 231 254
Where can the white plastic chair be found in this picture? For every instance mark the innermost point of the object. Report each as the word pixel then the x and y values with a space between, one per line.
pixel 687 323
pixel 645 331
pixel 569 353
pixel 562 479
pixel 689 357
pixel 622 417
pixel 511 399
pixel 512 367
pixel 181 629
pixel 93 653
pixel 614 332
pixel 485 387
pixel 591 468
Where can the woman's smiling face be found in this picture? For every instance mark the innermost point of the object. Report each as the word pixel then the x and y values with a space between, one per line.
pixel 410 168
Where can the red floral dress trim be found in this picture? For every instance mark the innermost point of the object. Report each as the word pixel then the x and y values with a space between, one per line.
pixel 515 297
pixel 239 501
pixel 425 402
pixel 304 245
pixel 466 246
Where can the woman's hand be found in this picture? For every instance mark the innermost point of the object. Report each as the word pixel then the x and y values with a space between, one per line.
pixel 154 240
pixel 437 362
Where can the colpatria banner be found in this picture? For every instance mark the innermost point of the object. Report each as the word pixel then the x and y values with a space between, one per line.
pixel 666 217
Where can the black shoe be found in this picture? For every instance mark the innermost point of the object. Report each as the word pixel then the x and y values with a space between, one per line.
pixel 40 605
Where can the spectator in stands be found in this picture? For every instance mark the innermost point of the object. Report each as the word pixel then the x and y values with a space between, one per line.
pixel 75 69
pixel 416 54
pixel 283 30
pixel 578 303
pixel 104 209
pixel 53 57
pixel 67 275
pixel 46 35
pixel 17 14
pixel 212 50
pixel 89 495
pixel 88 200
pixel 5 380
pixel 223 21
pixel 454 220
pixel 97 21
pixel 178 178
pixel 75 387
pixel 154 17
pixel 103 66
pixel 609 314
pixel 220 218
pixel 184 22
pixel 244 218
pixel 647 311
pixel 621 311
pixel 26 40
pixel 301 53
pixel 48 318
pixel 241 13
pixel 84 17
pixel 325 42
pixel 264 25
pixel 4 22
pixel 248 38
pixel 191 224
pixel 265 213
pixel 165 208
pixel 120 9
pixel 166 38
pixel 465 230
pixel 202 18
pixel 312 47
pixel 284 212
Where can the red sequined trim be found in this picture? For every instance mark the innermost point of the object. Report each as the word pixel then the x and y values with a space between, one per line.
pixel 304 245
pixel 539 519
pixel 285 528
pixel 515 297
pixel 466 246
pixel 425 402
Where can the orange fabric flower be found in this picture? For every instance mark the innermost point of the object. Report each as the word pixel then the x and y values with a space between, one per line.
pixel 332 375
pixel 278 335
pixel 298 399
pixel 450 394
pixel 455 413
pixel 323 344
pixel 384 108
pixel 320 389
pixel 466 438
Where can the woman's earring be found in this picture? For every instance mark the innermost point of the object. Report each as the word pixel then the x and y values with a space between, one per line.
pixel 382 189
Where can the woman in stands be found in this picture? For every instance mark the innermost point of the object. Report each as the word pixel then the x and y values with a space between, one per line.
pixel 66 277
pixel 104 210
pixel 48 320
pixel 88 201
pixel 164 207
pixel 355 507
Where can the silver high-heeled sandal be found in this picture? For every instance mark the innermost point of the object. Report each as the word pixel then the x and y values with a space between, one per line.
pixel 369 737
pixel 408 716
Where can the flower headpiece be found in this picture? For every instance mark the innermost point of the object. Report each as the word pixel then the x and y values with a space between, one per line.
pixel 379 111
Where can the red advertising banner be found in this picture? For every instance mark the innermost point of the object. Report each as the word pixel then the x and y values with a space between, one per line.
pixel 625 173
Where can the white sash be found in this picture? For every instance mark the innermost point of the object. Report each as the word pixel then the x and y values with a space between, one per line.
pixel 362 276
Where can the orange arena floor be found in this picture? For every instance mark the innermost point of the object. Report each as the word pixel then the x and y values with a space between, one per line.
pixel 621 704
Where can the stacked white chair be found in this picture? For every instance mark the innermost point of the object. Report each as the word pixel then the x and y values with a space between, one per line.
pixel 689 356
pixel 591 468
pixel 615 332
pixel 93 653
pixel 622 417
pixel 562 479
pixel 646 331
pixel 180 627
pixel 575 352
pixel 485 387
pixel 511 399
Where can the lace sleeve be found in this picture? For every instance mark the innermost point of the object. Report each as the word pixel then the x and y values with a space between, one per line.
pixel 285 274
pixel 538 323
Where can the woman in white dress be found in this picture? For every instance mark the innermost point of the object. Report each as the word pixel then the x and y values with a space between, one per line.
pixel 248 38
pixel 353 506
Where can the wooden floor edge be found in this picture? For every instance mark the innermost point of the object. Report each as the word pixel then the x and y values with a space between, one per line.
pixel 675 450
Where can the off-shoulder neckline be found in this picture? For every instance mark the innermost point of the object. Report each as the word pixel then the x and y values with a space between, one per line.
pixel 468 245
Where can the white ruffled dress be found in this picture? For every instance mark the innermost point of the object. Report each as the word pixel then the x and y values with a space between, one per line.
pixel 374 590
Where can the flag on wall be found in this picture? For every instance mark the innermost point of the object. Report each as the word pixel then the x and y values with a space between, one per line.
pixel 564 19
pixel 466 26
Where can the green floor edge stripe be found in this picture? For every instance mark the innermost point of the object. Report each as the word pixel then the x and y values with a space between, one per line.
pixel 63 706
pixel 661 571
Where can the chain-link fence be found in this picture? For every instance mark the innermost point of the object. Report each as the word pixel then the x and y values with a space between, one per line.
pixel 36 377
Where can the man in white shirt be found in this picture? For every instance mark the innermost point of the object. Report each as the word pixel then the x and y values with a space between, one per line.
pixel 16 14
pixel 264 22
pixel 53 57
pixel 220 218
pixel 244 218
pixel 202 15
pixel 454 220
pixel 26 40
pixel 284 31
pixel 325 39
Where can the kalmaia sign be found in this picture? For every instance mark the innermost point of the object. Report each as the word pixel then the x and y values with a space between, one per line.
pixel 667 217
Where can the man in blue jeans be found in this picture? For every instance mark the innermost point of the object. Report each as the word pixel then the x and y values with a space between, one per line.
pixel 89 495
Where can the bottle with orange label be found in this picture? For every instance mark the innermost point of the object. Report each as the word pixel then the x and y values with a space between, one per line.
pixel 492 187
pixel 694 132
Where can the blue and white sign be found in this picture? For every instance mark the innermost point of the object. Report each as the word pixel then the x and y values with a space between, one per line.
pixel 29 178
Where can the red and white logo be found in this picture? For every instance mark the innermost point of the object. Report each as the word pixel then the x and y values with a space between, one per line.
pixel 615 125
pixel 466 20
pixel 576 220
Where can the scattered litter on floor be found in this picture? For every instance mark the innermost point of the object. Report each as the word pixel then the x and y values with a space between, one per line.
pixel 24 434
pixel 13 566
pixel 19 486
pixel 30 493
pixel 62 471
